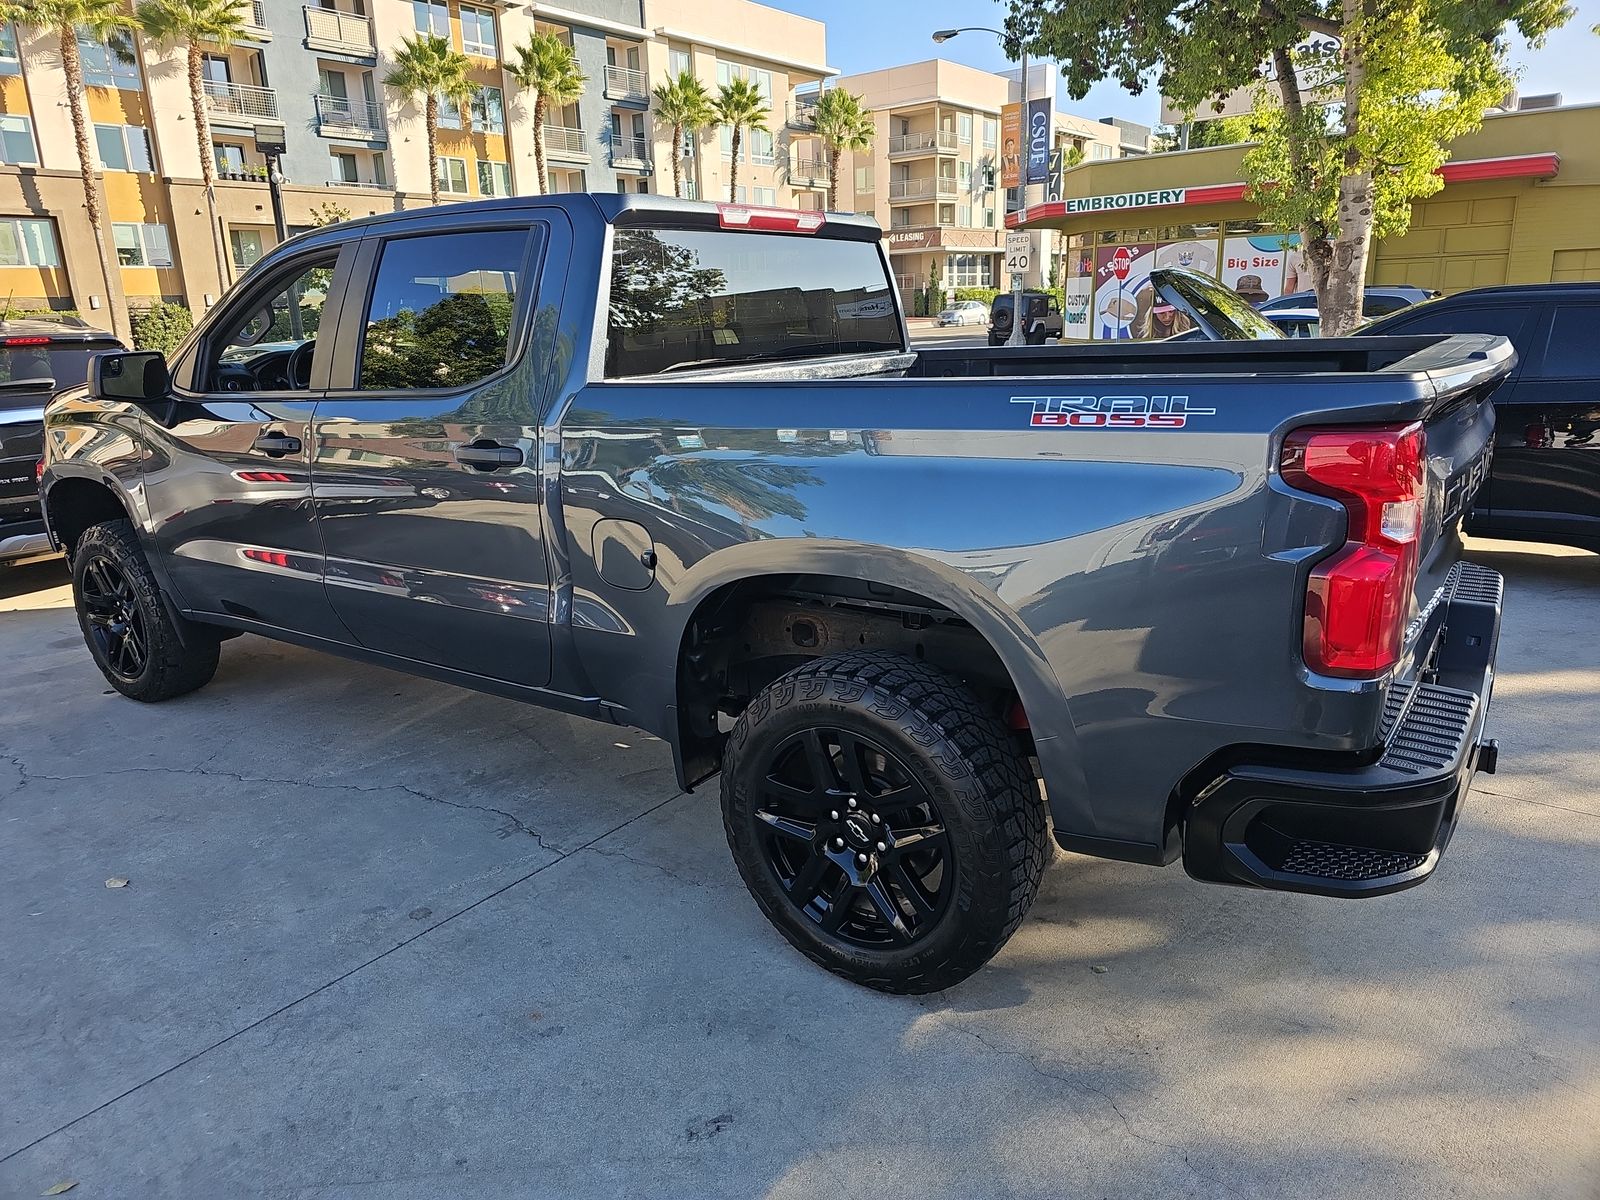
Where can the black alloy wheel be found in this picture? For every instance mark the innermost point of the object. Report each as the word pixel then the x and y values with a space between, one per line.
pixel 113 620
pixel 855 841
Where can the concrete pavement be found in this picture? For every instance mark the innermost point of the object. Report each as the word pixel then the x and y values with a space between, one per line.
pixel 385 938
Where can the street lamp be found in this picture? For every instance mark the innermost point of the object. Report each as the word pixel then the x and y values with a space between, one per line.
pixel 941 36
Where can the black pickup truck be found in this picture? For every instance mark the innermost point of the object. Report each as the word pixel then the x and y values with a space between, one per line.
pixel 673 465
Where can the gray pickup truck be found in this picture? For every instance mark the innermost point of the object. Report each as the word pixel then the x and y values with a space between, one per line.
pixel 675 466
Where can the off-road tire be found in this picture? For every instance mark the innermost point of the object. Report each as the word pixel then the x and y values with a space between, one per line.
pixel 173 665
pixel 988 800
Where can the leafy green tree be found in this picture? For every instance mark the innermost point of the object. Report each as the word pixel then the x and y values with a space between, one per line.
pixel 101 20
pixel 740 106
pixel 685 105
pixel 428 68
pixel 160 326
pixel 843 123
pixel 547 67
pixel 191 23
pixel 1352 125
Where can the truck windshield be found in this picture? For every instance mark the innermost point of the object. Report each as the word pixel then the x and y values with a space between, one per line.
pixel 682 298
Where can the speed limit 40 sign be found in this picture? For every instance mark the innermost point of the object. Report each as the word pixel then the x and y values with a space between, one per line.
pixel 1019 249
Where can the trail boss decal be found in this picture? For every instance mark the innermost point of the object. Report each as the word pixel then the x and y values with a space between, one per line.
pixel 1112 412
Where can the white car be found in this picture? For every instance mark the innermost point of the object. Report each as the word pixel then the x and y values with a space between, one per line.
pixel 965 312
pixel 1295 322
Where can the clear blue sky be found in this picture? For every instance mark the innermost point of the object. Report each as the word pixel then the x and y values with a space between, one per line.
pixel 866 34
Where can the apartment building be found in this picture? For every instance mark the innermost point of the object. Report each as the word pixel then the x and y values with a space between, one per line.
pixel 931 176
pixel 310 77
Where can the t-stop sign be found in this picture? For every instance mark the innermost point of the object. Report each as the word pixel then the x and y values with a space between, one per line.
pixel 1121 262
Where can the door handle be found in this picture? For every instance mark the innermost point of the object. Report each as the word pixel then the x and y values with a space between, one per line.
pixel 489 456
pixel 276 443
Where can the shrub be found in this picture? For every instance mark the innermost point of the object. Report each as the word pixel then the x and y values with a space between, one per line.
pixel 17 314
pixel 987 295
pixel 160 326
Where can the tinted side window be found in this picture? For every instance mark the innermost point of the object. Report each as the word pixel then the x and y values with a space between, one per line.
pixel 1377 306
pixel 442 309
pixel 1571 352
pixel 705 297
pixel 1508 322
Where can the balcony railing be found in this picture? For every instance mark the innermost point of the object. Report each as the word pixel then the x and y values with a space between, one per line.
pixel 634 151
pixel 802 114
pixel 361 116
pixel 329 29
pixel 372 184
pixel 563 141
pixel 943 141
pixel 905 283
pixel 803 171
pixel 624 83
pixel 243 100
pixel 255 28
pixel 922 189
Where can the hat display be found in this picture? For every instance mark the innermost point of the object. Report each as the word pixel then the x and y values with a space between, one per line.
pixel 1249 287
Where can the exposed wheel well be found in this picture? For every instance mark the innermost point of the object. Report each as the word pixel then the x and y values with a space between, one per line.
pixel 76 504
pixel 746 634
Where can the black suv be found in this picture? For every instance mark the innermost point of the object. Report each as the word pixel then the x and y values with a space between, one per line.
pixel 1041 318
pixel 37 356
pixel 1544 484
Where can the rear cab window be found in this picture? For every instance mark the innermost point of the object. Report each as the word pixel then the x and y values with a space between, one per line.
pixel 686 298
pixel 1569 352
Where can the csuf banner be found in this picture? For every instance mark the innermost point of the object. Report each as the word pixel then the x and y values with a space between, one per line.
pixel 1011 146
pixel 1038 132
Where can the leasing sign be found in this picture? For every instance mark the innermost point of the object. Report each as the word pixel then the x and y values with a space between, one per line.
pixel 1155 198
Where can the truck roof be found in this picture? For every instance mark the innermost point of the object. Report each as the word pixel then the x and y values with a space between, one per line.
pixel 615 208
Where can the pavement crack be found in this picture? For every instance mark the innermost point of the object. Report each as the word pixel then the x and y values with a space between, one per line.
pixel 211 772
pixel 1081 1088
pixel 655 866
pixel 1479 789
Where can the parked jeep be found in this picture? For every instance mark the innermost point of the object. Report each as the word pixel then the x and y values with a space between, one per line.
pixel 1208 596
pixel 1041 318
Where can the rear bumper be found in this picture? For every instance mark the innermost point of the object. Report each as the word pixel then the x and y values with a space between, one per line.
pixel 1365 831
pixel 24 540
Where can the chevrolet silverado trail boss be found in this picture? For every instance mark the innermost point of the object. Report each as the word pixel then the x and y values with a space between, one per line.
pixel 673 465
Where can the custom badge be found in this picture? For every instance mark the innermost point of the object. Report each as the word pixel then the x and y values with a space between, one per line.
pixel 1111 412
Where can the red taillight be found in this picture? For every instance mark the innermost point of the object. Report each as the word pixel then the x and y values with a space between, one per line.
pixel 779 220
pixel 25 341
pixel 264 477
pixel 1358 601
pixel 38 471
pixel 273 558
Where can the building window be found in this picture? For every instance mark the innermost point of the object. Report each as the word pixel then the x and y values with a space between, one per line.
pixel 969 270
pixel 494 178
pixel 767 196
pixel 1099 150
pixel 964 128
pixel 16 142
pixel 123 148
pixel 449 113
pixel 111 63
pixel 964 176
pixel 947 214
pixel 10 61
pixel 863 180
pixel 727 72
pixel 477 32
pixel 679 61
pixel 964 214
pixel 431 17
pixel 344 167
pixel 991 131
pixel 988 218
pixel 689 192
pixel 142 245
pixel 28 243
pixel 489 110
pixel 230 158
pixel 246 247
pixel 453 175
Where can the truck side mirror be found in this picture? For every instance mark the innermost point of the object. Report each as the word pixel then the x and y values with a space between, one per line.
pixel 139 376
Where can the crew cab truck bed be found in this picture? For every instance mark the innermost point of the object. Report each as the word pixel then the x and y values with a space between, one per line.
pixel 1209 596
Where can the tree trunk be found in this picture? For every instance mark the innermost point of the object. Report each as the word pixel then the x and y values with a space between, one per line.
pixel 430 120
pixel 1339 306
pixel 1314 247
pixel 538 144
pixel 72 68
pixel 733 167
pixel 677 160
pixel 208 165
pixel 834 155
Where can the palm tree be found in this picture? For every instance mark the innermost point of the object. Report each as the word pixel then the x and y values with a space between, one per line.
pixel 547 67
pixel 684 104
pixel 739 104
pixel 100 20
pixel 429 68
pixel 842 124
pixel 191 22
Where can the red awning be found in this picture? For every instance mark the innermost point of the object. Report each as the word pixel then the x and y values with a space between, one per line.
pixel 1472 170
